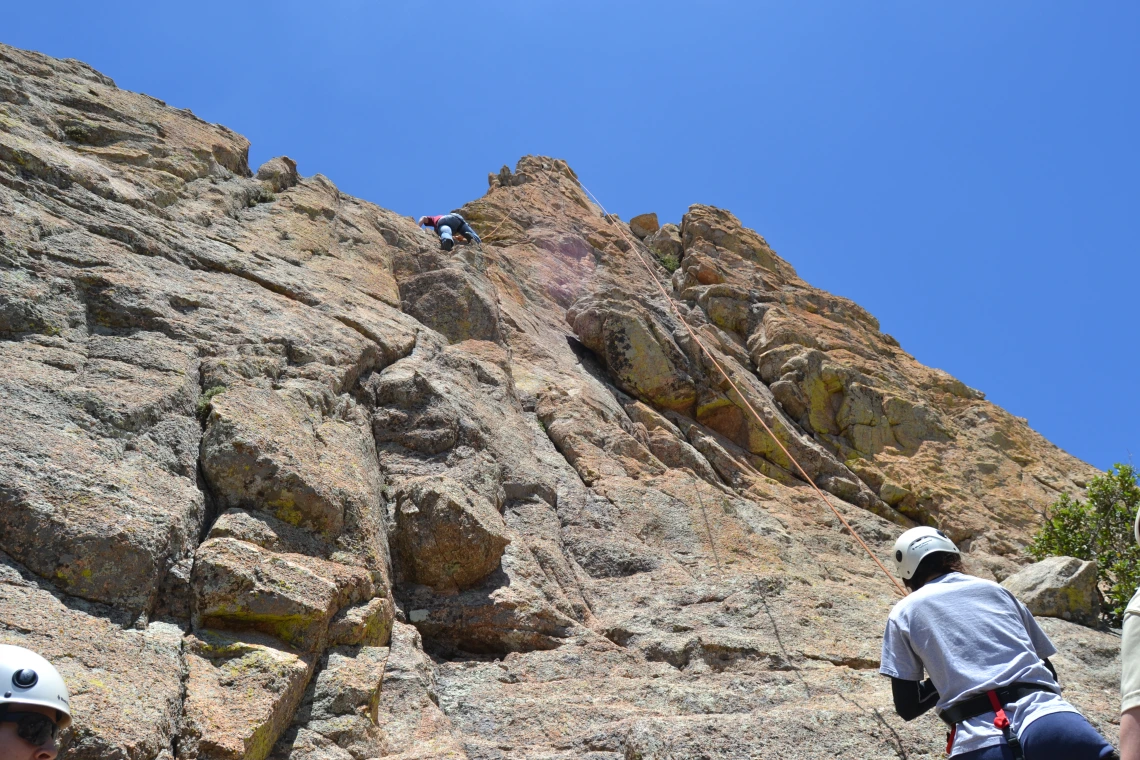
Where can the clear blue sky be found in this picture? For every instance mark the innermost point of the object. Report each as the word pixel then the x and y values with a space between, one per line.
pixel 967 171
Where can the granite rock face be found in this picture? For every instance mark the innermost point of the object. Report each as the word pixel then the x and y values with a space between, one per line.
pixel 1060 587
pixel 279 478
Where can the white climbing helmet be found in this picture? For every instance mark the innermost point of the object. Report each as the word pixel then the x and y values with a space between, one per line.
pixel 28 679
pixel 915 544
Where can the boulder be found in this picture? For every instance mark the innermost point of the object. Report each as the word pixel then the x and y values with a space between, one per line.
pixel 97 524
pixel 674 452
pixel 588 444
pixel 1061 587
pixel 241 692
pixel 446 536
pixel 601 554
pixel 644 225
pixel 369 624
pixel 31 303
pixel 346 697
pixel 409 410
pixel 266 531
pixel 504 614
pixel 313 467
pixel 639 352
pixel 707 228
pixel 97 474
pixel 408 709
pixel 666 243
pixel 650 418
pixel 279 173
pixel 455 303
pixel 304 744
pixel 240 586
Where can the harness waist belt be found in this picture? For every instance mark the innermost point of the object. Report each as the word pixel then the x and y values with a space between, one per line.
pixel 981 705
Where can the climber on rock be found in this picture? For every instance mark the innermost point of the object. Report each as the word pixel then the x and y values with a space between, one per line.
pixel 34 705
pixel 1130 674
pixel 447 225
pixel 987 659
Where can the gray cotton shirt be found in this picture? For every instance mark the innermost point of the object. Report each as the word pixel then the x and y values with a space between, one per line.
pixel 971 635
pixel 1130 656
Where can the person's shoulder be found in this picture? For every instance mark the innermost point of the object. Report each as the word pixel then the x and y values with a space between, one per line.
pixel 977 589
pixel 952 583
pixel 1133 607
pixel 961 583
pixel 956 580
pixel 975 581
pixel 905 605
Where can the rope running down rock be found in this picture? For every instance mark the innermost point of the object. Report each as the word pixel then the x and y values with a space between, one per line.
pixel 692 333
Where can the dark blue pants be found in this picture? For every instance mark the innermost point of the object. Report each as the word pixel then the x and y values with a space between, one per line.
pixel 452 223
pixel 1059 736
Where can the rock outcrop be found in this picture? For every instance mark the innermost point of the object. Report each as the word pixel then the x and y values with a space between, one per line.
pixel 281 479
pixel 1060 587
pixel 644 225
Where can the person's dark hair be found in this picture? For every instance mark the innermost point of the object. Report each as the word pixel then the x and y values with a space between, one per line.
pixel 932 566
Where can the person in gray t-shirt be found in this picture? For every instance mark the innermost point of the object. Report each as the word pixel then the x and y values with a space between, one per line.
pixel 1130 673
pixel 974 639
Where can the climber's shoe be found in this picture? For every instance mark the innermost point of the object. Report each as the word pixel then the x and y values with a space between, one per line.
pixel 446 244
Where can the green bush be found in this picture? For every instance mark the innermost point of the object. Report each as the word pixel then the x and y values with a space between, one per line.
pixel 670 262
pixel 1099 529
pixel 205 399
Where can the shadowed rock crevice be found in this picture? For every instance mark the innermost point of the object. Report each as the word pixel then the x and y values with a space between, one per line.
pixel 640 350
pixel 456 445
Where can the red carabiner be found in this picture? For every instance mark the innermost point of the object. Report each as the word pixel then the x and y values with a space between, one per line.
pixel 1001 720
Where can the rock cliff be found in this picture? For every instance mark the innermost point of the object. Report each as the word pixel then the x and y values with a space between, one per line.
pixel 280 479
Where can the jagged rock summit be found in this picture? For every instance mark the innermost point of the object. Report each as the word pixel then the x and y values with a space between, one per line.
pixel 280 479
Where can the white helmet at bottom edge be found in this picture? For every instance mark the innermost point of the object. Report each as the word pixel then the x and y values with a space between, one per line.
pixel 915 544
pixel 28 679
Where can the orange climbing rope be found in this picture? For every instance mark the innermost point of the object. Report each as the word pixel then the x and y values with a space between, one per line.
pixel 692 333
pixel 506 216
pixel 504 220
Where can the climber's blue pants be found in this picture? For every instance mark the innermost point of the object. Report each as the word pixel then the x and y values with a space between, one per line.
pixel 469 233
pixel 451 224
pixel 1057 736
pixel 445 238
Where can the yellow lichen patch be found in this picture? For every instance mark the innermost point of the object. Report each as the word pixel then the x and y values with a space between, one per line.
pixel 285 508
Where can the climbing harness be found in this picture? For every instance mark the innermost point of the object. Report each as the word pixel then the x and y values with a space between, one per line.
pixel 992 701
pixel 692 334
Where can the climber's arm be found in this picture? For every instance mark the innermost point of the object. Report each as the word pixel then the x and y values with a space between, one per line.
pixel 1130 734
pixel 913 698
